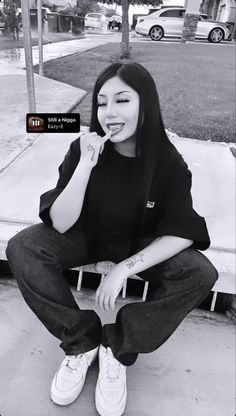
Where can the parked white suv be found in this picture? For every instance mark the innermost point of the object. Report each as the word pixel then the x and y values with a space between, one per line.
pixel 169 22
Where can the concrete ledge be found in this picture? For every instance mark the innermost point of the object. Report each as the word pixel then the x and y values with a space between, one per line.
pixel 212 165
pixel 7 231
pixel 213 187
pixel 223 261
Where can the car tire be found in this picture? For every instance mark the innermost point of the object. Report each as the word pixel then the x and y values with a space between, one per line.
pixel 156 33
pixel 216 35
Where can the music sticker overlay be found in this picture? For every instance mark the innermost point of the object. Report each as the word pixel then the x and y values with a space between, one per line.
pixel 52 123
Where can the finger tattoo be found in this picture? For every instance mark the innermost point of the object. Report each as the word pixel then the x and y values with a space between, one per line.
pixel 91 149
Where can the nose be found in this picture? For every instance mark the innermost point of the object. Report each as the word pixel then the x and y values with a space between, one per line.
pixel 111 109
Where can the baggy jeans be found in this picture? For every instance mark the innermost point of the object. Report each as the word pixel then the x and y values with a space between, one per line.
pixel 37 257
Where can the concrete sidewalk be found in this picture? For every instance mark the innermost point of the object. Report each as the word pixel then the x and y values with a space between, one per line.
pixel 51 96
pixel 13 60
pixel 192 374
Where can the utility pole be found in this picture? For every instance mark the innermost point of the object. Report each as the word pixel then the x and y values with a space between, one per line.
pixel 28 54
pixel 40 36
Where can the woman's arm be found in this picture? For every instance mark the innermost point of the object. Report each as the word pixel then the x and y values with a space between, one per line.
pixel 66 209
pixel 158 251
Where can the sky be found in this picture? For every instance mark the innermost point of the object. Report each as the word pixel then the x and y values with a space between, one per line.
pixel 173 2
pixel 144 9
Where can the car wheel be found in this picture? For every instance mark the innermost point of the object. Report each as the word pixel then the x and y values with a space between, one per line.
pixel 216 35
pixel 156 33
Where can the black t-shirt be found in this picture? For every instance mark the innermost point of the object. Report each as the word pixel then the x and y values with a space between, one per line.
pixel 116 210
pixel 109 210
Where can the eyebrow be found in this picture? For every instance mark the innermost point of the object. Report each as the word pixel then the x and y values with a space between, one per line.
pixel 121 92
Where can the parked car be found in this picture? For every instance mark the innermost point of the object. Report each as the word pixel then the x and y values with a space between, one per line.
pixel 115 21
pixel 95 21
pixel 169 22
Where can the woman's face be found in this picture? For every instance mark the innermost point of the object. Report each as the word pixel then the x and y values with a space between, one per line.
pixel 118 109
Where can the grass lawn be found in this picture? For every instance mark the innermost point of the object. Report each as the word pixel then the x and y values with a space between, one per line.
pixel 195 83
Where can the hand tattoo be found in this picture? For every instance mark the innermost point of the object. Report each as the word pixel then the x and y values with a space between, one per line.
pixel 133 260
pixel 91 149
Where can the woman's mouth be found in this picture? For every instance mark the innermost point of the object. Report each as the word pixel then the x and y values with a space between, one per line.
pixel 115 127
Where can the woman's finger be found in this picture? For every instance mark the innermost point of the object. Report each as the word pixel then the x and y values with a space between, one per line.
pixel 105 138
pixel 100 300
pixel 97 295
pixel 106 302
pixel 112 303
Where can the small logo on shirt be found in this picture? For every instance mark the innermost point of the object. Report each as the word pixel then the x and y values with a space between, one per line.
pixel 150 204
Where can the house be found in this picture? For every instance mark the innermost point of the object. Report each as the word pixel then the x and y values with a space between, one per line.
pixel 63 4
pixel 220 10
pixel 226 11
pixel 58 5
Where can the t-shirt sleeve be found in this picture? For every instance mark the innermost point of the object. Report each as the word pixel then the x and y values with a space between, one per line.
pixel 66 170
pixel 179 218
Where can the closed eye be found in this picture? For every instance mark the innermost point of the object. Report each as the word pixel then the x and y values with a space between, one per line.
pixel 120 100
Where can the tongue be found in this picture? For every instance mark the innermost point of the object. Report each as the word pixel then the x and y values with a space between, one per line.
pixel 115 129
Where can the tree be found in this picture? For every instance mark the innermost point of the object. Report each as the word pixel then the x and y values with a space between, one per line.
pixel 125 48
pixel 86 6
pixel 11 18
pixel 109 12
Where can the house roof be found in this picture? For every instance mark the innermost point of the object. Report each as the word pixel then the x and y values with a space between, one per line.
pixel 57 3
pixel 64 3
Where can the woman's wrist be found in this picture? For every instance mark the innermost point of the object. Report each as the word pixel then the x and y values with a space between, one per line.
pixel 123 270
pixel 84 166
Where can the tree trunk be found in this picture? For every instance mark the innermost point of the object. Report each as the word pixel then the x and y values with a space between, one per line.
pixel 215 8
pixel 191 19
pixel 124 47
pixel 189 27
pixel 233 36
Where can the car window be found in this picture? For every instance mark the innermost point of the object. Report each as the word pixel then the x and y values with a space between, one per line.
pixel 151 15
pixel 171 13
pixel 94 15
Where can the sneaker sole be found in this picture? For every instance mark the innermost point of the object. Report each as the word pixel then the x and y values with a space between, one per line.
pixel 103 412
pixel 65 402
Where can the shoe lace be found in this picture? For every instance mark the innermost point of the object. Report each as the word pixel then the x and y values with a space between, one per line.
pixel 73 361
pixel 112 367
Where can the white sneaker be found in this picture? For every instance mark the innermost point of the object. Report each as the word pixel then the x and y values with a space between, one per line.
pixel 70 377
pixel 111 390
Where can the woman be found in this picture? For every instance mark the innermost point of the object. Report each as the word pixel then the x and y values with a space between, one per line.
pixel 123 194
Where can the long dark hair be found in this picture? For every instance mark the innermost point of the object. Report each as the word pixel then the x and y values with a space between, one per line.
pixel 151 138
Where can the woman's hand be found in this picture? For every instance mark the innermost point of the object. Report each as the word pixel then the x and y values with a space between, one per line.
pixel 109 288
pixel 91 145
